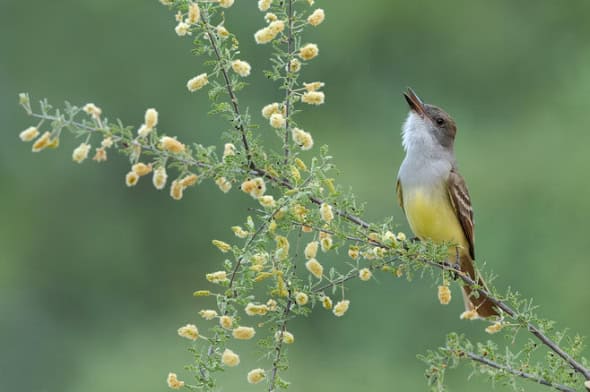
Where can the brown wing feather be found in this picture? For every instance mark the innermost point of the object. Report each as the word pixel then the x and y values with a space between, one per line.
pixel 400 195
pixel 459 196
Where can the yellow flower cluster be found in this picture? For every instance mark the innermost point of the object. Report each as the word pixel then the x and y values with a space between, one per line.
pixel 208 314
pixel 255 376
pixel 326 213
pixel 326 302
pixel 444 294
pixel 325 241
pixel 317 17
pixel 341 308
pixel 197 83
pixel 226 322
pixel 315 268
pixel 173 381
pixel 226 3
pixel 308 51
pixel 93 110
pixel 81 152
pixel 189 331
pixel 182 29
pixel 229 358
pixel 267 201
pixel 365 274
pixel 469 315
pixel 194 13
pixel 172 145
pixel 313 98
pixel 301 298
pixel 311 250
pixel 243 333
pixel 29 134
pixel 217 277
pixel 229 150
pixel 223 184
pixel 255 187
pixel 256 310
pixel 264 5
pixel 288 337
pixel 353 252
pixel 277 120
pixel 239 232
pixel 495 328
pixel 160 177
pixel 240 67
pixel 270 109
pixel 302 138
pixel 267 34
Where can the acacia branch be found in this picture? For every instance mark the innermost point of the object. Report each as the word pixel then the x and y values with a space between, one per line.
pixel 289 6
pixel 279 346
pixel 519 373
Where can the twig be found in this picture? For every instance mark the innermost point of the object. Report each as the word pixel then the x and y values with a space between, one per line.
pixel 519 373
pixel 229 87
pixel 279 346
pixel 289 6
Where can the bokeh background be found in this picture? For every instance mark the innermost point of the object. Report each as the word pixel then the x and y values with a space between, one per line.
pixel 95 278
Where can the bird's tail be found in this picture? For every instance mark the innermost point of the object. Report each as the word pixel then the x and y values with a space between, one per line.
pixel 480 303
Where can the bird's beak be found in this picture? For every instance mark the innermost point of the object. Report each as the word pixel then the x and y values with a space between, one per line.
pixel 414 102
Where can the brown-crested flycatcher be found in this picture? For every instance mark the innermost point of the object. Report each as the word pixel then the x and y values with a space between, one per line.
pixel 433 194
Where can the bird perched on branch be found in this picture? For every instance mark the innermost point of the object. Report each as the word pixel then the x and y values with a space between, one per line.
pixel 433 194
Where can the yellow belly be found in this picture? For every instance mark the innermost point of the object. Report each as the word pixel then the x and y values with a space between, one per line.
pixel 431 216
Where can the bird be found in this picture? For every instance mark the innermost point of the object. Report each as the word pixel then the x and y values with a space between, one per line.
pixel 433 194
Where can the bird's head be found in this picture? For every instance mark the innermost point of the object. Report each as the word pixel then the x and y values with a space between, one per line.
pixel 427 127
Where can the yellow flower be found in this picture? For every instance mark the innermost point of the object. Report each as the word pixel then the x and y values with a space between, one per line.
pixel 495 328
pixel 226 3
pixel 270 109
pixel 197 82
pixel 229 358
pixel 172 380
pixel 239 232
pixel 160 177
pixel 222 246
pixel 469 315
pixel 401 236
pixel 341 308
pixel 144 131
pixel 264 36
pixel 243 333
pixel 202 293
pixel 189 180
pixel 288 337
pixel 309 51
pixel 302 138
pixel 141 169
pixel 100 155
pixel 223 184
pixel 313 86
pixel 282 247
pixel 315 268
pixel 29 134
pixel 217 277
pixel 255 376
pixel 325 241
pixel 222 32
pixel 294 66
pixel 183 29
pixel 327 302
pixel 255 187
pixel 226 322
pixel 171 144
pixel 267 201
pixel 194 13
pixel 208 314
pixel 240 67
pixel 316 17
pixel 107 142
pixel 229 149
pixel 390 239
pixel 264 5
pixel 151 118
pixel 301 298
pixel 365 274
pixel 444 294
pixel 313 98
pixel 131 179
pixel 256 310
pixel 311 250
pixel 92 110
pixel 81 152
pixel 326 213
pixel 300 164
pixel 176 190
pixel 272 305
pixel 353 252
pixel 277 120
pixel 276 26
pixel 189 331
pixel 270 17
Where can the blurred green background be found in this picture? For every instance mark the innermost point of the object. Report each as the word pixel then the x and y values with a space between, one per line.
pixel 95 278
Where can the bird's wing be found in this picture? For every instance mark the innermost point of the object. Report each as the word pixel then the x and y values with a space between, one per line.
pixel 400 195
pixel 459 196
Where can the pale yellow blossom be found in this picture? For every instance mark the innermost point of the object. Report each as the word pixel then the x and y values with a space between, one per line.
pixel 222 246
pixel 313 98
pixel 313 86
pixel 208 314
pixel 189 331
pixel 311 250
pixel 229 149
pixel 353 252
pixel 401 236
pixel 295 65
pixel 222 32
pixel 176 190
pixel 239 232
pixel 309 51
pixel 326 213
pixel 107 142
pixel 276 26
pixel 326 302
pixel 243 333
pixel 288 337
pixel 267 201
pixel 217 277
pixel 189 180
pixel 316 17
pixel 240 67
pixel 277 120
pixel 270 109
pixel 341 307
pixel 100 155
pixel 315 268
pixel 172 380
pixel 81 152
pixel 141 169
pixel 325 241
pixel 182 29
pixel 365 274
pixel 270 17
pixel 264 5
pixel 256 310
pixel 131 179
pixel 272 305
pixel 301 298
pixel 171 144
pixel 495 328
pixel 92 110
pixel 194 13
pixel 197 82
pixel 226 322
pixel 302 138
pixel 390 239
pixel 255 376
pixel 144 131
pixel 229 358
pixel 151 118
pixel 444 294
pixel 29 134
pixel 226 3
pixel 469 315
pixel 160 177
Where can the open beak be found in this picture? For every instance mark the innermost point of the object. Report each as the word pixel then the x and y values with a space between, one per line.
pixel 414 102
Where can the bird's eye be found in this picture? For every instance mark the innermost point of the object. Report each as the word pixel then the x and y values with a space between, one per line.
pixel 440 121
